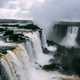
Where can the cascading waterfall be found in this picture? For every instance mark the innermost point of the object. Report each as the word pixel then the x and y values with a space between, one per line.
pixel 14 63
pixel 17 62
pixel 70 38
pixel 37 49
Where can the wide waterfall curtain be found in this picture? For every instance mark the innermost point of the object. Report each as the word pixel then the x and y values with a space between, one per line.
pixel 15 65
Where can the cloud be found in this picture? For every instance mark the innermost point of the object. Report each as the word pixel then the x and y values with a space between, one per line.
pixel 3 3
pixel 7 13
pixel 19 9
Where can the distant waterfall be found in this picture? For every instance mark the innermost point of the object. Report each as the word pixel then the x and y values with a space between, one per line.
pixel 70 38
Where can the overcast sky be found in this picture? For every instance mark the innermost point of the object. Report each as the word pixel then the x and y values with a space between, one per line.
pixel 43 12
pixel 17 8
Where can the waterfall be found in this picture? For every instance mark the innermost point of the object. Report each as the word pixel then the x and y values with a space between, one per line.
pixel 14 63
pixel 70 38
pixel 44 39
pixel 18 63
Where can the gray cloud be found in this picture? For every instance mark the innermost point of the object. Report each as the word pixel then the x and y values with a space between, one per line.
pixel 3 3
pixel 8 4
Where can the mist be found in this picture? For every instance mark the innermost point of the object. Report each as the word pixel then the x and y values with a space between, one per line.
pixel 51 11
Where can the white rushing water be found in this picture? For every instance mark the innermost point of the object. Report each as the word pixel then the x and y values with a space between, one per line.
pixel 40 57
pixel 70 38
pixel 18 63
